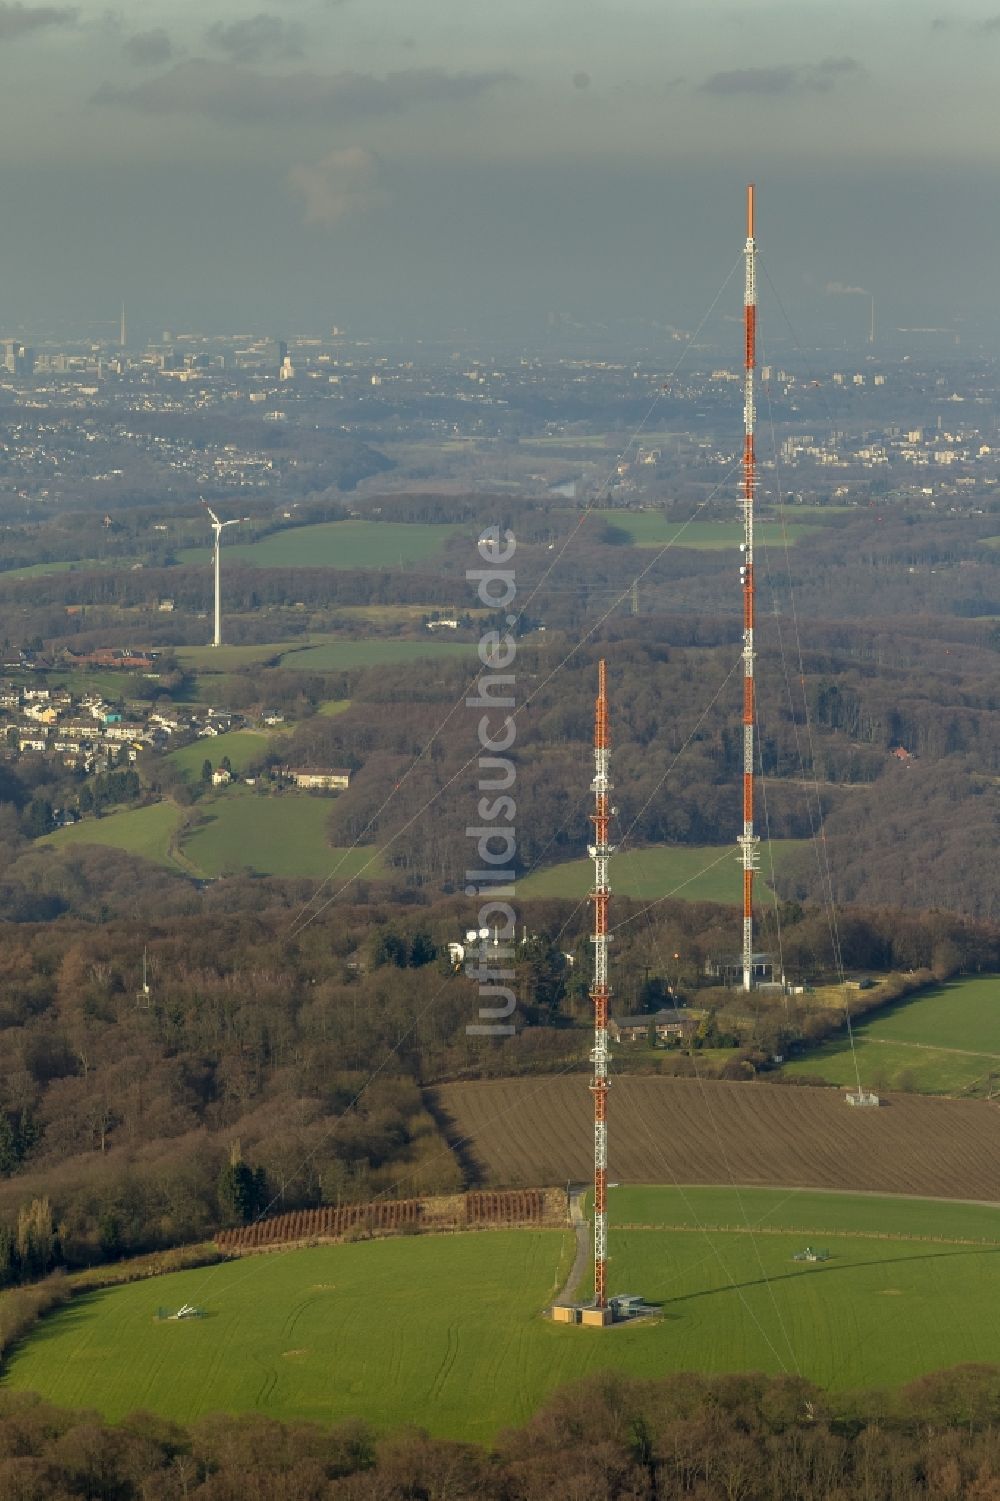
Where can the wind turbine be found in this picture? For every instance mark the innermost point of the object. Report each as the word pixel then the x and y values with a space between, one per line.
pixel 218 528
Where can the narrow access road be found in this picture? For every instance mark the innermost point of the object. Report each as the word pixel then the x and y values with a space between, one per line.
pixel 582 1257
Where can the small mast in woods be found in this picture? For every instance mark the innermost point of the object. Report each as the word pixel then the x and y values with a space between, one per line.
pixel 600 992
pixel 748 840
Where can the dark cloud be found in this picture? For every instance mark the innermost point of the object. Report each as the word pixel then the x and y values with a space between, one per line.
pixel 18 20
pixel 255 38
pixel 147 49
pixel 785 79
pixel 226 92
pixel 988 26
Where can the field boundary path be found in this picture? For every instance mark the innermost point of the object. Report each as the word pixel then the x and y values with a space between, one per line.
pixel 581 1227
pixel 933 1240
pixel 926 1047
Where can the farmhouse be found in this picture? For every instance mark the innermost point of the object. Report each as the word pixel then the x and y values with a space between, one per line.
pixel 667 1024
pixel 315 779
pixel 110 656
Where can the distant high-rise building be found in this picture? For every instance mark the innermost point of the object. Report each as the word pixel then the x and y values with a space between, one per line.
pixel 18 358
pixel 272 353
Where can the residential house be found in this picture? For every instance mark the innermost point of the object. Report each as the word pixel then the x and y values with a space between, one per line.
pixel 667 1024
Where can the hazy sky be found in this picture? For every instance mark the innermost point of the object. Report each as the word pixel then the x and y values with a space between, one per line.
pixel 435 165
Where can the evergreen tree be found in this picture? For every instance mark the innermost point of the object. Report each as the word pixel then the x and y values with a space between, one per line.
pixel 389 948
pixel 109 1230
pixel 9 1155
pixel 38 818
pixel 542 972
pixel 243 1191
pixel 9 1270
pixel 422 950
pixel 28 1132
pixel 652 994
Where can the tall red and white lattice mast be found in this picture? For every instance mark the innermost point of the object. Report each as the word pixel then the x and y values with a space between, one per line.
pixel 600 992
pixel 748 840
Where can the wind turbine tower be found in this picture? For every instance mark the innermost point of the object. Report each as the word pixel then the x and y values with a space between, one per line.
pixel 218 528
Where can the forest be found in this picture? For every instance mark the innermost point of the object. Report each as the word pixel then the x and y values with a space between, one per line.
pixel 298 1041
pixel 685 1437
pixel 272 1005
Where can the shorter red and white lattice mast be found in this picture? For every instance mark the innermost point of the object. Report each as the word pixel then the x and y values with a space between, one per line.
pixel 600 992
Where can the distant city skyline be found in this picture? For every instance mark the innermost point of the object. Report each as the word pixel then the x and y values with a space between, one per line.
pixel 445 168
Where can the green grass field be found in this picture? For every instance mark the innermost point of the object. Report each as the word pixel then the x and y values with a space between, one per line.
pixel 334 544
pixel 320 652
pixel 386 651
pixel 74 565
pixel 277 835
pixel 137 831
pixel 241 746
pixel 943 1041
pixel 696 873
pixel 802 1209
pixel 212 659
pixel 654 529
pixel 110 685
pixel 446 1333
pixel 432 1330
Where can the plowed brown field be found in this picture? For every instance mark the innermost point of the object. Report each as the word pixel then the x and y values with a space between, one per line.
pixel 517 1132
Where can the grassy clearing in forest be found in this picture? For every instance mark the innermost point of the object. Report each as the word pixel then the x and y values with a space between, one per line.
pixel 138 831
pixel 335 544
pixel 943 1041
pixel 278 834
pixel 381 651
pixel 446 1333
pixel 692 872
pixel 241 746
pixel 213 659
